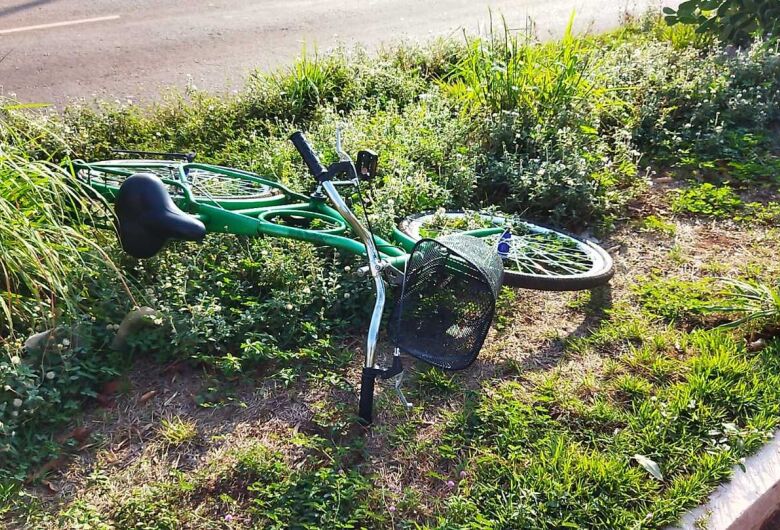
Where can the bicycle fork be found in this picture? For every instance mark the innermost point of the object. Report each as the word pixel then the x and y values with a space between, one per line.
pixel 375 266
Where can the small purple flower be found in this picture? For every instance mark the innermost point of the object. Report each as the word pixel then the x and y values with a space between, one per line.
pixel 463 473
pixel 450 484
pixel 391 508
pixel 228 518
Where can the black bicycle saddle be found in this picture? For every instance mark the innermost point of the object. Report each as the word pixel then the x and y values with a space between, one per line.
pixel 148 217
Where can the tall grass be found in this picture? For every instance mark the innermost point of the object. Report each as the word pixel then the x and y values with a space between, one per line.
pixel 42 251
pixel 509 72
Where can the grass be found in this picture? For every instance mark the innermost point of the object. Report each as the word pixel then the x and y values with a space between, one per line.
pixel 675 299
pixel 569 463
pixel 635 450
pixel 617 408
pixel 42 250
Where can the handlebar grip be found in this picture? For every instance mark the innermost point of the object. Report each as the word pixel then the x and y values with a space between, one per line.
pixel 309 156
pixel 366 405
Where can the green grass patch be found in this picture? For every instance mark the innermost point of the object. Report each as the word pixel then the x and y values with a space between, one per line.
pixel 529 465
pixel 675 299
pixel 708 199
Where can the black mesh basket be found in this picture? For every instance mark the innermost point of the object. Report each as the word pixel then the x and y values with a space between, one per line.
pixel 448 300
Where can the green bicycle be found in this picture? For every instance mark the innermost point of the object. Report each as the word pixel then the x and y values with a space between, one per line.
pixel 449 264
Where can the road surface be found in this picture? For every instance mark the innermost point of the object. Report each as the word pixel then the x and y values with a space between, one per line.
pixel 55 50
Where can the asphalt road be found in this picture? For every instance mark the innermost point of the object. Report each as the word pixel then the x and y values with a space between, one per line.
pixel 55 50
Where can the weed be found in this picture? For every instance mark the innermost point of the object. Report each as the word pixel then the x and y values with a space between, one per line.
pixel 149 508
pixel 43 255
pixel 652 223
pixel 434 381
pixel 177 431
pixel 507 73
pixel 505 307
pixel 753 302
pixel 632 387
pixel 677 254
pixel 622 327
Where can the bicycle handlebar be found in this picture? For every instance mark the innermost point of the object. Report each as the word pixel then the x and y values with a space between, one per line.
pixel 303 146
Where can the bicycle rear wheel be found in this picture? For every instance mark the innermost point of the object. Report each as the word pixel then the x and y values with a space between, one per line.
pixel 539 257
pixel 205 182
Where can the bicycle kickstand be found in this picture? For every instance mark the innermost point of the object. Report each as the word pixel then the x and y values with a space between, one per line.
pixel 396 374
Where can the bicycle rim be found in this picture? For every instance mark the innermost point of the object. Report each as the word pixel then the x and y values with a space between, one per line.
pixel 204 184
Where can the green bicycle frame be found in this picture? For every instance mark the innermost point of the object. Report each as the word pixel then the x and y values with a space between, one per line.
pixel 256 215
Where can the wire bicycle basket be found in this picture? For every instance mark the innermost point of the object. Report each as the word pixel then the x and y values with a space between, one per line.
pixel 448 300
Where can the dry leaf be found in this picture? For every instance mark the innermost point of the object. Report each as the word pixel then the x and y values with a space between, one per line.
pixel 79 434
pixel 650 466
pixel 147 396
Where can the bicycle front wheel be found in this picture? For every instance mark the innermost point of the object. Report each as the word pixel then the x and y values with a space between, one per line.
pixel 539 257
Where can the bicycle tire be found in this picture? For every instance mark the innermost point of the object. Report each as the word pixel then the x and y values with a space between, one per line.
pixel 517 271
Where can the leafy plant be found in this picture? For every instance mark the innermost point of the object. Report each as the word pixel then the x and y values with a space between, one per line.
pixel 707 199
pixel 653 223
pixel 730 20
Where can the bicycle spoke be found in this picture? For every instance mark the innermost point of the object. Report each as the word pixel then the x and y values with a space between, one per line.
pixel 531 256
pixel 563 259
